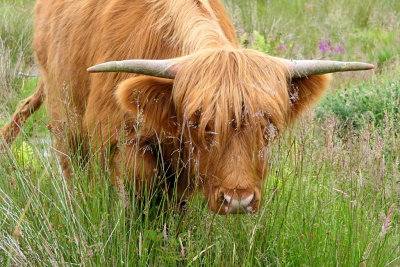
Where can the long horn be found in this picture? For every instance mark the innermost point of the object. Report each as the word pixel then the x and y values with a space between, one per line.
pixel 158 68
pixel 303 68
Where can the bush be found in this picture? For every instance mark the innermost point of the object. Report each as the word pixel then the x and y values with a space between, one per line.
pixel 375 103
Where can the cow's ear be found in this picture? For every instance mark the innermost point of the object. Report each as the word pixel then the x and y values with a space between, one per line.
pixel 304 92
pixel 150 96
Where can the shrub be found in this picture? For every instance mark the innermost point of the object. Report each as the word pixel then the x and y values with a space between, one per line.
pixel 375 103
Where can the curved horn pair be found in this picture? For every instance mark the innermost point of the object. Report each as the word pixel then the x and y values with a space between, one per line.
pixel 165 68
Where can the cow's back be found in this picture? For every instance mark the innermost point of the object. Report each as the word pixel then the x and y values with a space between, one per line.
pixel 63 36
pixel 72 35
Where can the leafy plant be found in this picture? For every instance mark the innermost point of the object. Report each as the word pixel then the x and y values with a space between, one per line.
pixel 375 103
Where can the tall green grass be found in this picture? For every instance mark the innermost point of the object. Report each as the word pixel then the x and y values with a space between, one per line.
pixel 324 203
pixel 16 53
pixel 327 196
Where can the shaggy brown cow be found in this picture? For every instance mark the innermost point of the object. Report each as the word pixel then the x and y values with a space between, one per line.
pixel 211 110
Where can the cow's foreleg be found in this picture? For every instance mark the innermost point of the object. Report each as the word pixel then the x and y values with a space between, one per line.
pixel 136 166
pixel 12 128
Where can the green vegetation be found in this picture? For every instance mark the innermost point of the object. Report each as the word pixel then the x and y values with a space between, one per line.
pixel 368 102
pixel 369 29
pixel 16 53
pixel 328 197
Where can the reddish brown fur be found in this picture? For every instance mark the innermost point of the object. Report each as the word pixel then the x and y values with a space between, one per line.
pixel 221 110
pixel 12 128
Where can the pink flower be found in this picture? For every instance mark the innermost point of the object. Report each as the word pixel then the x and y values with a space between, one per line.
pixel 327 46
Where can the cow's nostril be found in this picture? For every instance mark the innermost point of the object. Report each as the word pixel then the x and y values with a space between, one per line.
pixel 221 198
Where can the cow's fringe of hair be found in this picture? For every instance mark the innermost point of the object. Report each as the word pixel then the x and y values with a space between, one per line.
pixel 240 87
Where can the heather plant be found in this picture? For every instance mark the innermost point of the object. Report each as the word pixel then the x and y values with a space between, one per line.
pixel 330 48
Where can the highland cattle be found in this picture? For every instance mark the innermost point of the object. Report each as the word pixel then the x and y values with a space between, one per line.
pixel 145 79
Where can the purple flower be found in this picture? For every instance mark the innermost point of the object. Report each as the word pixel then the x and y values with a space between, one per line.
pixel 340 49
pixel 283 48
pixel 327 46
pixel 321 46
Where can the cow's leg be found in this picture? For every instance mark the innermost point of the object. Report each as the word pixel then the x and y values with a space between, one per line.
pixel 136 166
pixel 65 126
pixel 12 128
pixel 69 144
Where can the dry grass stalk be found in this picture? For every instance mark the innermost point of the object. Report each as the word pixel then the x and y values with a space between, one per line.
pixel 387 221
pixel 182 247
pixel 165 233
pixel 342 192
pixel 140 244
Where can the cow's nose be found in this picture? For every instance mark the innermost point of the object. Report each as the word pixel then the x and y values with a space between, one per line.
pixel 237 201
pixel 238 205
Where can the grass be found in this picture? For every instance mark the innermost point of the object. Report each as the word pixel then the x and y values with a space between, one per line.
pixel 327 196
pixel 16 53
pixel 321 206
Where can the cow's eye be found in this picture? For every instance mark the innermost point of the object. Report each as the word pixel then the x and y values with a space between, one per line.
pixel 193 124
pixel 234 125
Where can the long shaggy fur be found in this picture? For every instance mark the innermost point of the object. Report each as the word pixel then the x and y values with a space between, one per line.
pixel 222 108
pixel 224 91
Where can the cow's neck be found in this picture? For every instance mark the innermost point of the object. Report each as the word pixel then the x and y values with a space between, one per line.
pixel 190 25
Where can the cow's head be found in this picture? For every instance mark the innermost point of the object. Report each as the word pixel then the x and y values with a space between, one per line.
pixel 223 106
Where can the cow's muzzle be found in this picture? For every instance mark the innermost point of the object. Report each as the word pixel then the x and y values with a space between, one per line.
pixel 234 201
